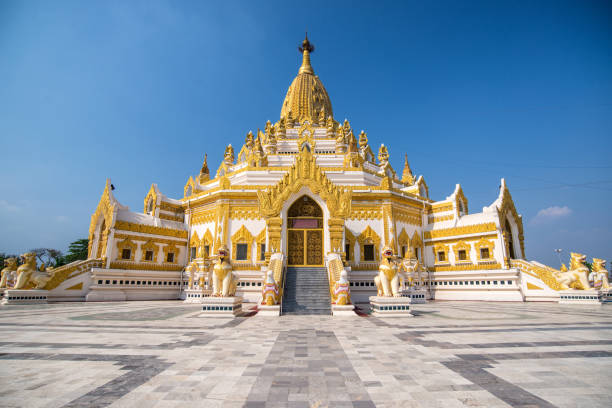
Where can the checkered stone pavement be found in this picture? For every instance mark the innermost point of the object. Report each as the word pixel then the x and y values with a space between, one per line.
pixel 167 354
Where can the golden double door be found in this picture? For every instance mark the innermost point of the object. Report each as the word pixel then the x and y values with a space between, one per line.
pixel 305 247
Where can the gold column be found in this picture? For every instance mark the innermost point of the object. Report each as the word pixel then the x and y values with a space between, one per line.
pixel 274 226
pixel 336 228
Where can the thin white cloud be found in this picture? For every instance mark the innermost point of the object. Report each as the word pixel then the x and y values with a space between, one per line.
pixel 551 213
pixel 5 206
pixel 61 218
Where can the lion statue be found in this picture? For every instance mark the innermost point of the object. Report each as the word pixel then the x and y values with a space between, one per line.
pixel 28 277
pixel 270 292
pixel 388 280
pixel 600 274
pixel 577 275
pixel 224 281
pixel 9 273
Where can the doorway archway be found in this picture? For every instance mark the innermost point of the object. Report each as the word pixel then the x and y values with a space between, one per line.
pixel 305 233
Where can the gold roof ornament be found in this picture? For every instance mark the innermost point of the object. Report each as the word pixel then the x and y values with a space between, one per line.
pixel 306 97
pixel 407 176
pixel 204 172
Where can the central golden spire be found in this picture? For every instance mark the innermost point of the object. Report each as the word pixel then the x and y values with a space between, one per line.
pixel 306 98
pixel 306 49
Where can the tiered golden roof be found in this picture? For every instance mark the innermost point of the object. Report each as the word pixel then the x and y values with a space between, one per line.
pixel 306 97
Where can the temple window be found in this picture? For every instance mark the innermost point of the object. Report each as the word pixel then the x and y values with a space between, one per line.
pixel 193 252
pixel 241 252
pixel 262 252
pixel 462 255
pixel 462 252
pixel 126 253
pixel 347 250
pixel 441 256
pixel 170 257
pixel 484 249
pixel 206 251
pixel 404 251
pixel 149 256
pixel 242 239
pixel 368 252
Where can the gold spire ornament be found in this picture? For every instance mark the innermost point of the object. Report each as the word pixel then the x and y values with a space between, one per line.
pixel 306 97
pixel 407 176
pixel 204 172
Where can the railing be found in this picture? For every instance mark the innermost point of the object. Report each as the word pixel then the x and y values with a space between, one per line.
pixel 61 273
pixel 282 294
pixel 544 273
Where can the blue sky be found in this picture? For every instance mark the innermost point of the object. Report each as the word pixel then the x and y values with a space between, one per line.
pixel 473 91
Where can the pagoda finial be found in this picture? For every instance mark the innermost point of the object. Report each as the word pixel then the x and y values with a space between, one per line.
pixel 306 49
pixel 407 176
pixel 204 172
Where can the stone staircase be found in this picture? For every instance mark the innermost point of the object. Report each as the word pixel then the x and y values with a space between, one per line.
pixel 306 292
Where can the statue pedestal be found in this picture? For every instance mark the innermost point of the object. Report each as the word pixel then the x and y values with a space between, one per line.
pixel 416 295
pixel 24 296
pixel 580 297
pixel 383 306
pixel 196 295
pixel 265 310
pixel 343 310
pixel 222 306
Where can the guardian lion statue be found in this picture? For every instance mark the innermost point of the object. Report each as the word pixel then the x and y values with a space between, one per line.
pixel 577 275
pixel 28 277
pixel 600 274
pixel 224 281
pixel 388 280
pixel 9 273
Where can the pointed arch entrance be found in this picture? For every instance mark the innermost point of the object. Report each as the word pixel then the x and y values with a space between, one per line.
pixel 305 233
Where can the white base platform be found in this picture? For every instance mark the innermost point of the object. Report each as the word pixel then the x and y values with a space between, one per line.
pixel 579 297
pixel 25 296
pixel 416 295
pixel 222 306
pixel 265 310
pixel 343 310
pixel 390 306
pixel 196 295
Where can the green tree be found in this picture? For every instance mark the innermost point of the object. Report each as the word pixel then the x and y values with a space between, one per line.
pixel 77 250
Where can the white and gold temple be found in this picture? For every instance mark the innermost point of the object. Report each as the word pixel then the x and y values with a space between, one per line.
pixel 307 191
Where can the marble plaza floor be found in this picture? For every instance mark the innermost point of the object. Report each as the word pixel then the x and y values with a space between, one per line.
pixel 165 354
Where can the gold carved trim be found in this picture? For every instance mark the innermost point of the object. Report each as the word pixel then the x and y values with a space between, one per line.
pixel 145 266
pixel 465 267
pixel 468 229
pixel 149 229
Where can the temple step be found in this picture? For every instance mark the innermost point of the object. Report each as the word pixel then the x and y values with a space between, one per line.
pixel 306 292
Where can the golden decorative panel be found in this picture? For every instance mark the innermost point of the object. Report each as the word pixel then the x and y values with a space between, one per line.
pixel 149 229
pixel 295 247
pixel 466 267
pixel 365 213
pixel 145 266
pixel 305 172
pixel 314 247
pixel 468 229
pixel 244 213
